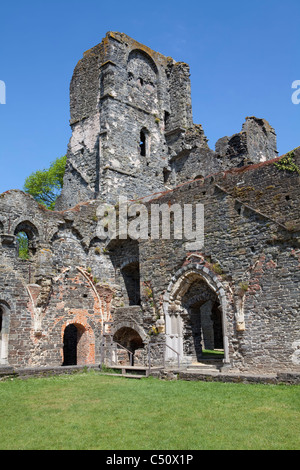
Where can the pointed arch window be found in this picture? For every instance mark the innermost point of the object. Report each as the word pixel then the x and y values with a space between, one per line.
pixel 27 237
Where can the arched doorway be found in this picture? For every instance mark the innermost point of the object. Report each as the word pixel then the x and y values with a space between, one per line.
pixel 194 310
pixel 131 340
pixel 76 345
pixel 201 321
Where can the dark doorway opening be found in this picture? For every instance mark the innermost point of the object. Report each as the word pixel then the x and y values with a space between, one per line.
pixel 131 276
pixel 206 329
pixel 129 339
pixel 76 346
pixel 216 316
pixel 202 322
pixel 70 346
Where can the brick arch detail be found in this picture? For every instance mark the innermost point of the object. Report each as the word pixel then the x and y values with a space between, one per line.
pixel 86 343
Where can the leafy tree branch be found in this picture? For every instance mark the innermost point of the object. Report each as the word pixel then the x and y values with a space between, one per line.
pixel 46 185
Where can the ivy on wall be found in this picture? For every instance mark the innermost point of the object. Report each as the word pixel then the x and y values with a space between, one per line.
pixel 287 163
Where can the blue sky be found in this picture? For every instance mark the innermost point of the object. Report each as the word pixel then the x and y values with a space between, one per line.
pixel 243 57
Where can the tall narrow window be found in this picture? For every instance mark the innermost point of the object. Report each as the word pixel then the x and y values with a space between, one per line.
pixel 23 245
pixel 143 143
pixel 26 237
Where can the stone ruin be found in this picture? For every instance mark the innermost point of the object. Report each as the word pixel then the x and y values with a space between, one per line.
pixel 80 299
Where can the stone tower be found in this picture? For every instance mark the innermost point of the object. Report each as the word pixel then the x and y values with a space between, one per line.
pixel 124 99
pixel 132 127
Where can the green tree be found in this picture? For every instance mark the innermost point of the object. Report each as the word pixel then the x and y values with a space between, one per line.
pixel 45 185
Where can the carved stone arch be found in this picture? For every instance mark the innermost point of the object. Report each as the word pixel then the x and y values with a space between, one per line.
pixel 31 229
pixel 140 55
pixel 27 232
pixel 132 325
pixel 177 288
pixel 130 340
pixel 142 80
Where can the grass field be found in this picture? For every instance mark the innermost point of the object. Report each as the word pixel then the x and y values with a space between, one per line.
pixel 90 411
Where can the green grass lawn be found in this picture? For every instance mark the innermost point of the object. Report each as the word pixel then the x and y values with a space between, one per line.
pixel 92 411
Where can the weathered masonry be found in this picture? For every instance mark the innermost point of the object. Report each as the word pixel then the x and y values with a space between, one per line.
pixel 81 299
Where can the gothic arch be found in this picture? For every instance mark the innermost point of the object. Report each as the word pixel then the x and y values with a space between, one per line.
pixel 132 337
pixel 131 325
pixel 28 227
pixel 27 237
pixel 142 80
pixel 140 55
pixel 177 288
pixel 78 340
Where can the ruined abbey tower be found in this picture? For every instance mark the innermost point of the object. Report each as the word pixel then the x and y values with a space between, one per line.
pixel 77 299
pixel 132 127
